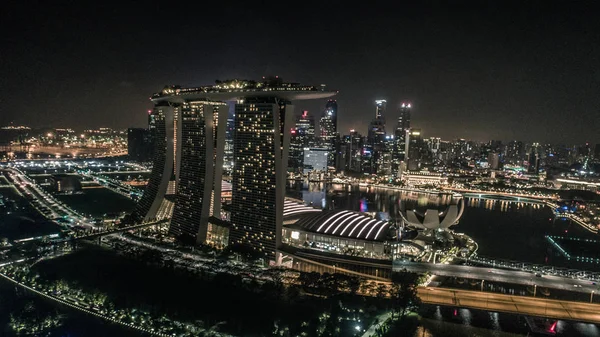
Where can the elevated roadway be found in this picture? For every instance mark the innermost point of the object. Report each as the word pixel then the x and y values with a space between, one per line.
pixel 529 306
pixel 499 275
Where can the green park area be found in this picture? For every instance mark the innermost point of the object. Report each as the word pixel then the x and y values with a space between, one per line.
pixel 97 202
pixel 144 286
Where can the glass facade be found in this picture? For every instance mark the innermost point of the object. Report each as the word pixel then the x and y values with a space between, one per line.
pixel 328 125
pixel 400 137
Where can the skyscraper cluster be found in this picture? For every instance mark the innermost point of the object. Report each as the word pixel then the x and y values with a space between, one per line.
pixel 382 151
pixel 195 139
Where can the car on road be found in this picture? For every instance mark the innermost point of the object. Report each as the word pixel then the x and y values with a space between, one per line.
pixel 577 285
pixel 538 275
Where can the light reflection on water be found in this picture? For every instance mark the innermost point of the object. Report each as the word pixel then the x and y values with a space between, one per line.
pixel 508 229
pixel 505 229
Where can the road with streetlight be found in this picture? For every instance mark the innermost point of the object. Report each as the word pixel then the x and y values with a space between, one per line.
pixel 499 275
pixel 42 201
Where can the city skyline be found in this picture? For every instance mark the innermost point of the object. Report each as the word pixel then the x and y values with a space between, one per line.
pixel 474 71
pixel 330 169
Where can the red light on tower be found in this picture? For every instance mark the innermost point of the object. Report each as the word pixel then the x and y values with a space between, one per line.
pixel 304 113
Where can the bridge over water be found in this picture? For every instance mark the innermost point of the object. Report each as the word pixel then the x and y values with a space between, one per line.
pixel 529 306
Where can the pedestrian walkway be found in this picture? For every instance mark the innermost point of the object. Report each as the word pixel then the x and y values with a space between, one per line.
pixel 380 320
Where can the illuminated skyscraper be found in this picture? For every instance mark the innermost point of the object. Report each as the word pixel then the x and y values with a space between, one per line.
pixel 376 137
pixel 261 156
pixel 413 149
pixel 263 120
pixel 328 125
pixel 302 136
pixel 202 135
pixel 400 136
pixel 229 135
pixel 263 125
pixel 355 147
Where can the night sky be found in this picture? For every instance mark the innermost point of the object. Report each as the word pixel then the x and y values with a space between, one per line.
pixel 477 70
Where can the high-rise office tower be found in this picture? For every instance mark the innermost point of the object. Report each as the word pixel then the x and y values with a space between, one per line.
pixel 202 135
pixel 386 156
pixel 376 136
pixel 402 127
pixel 355 146
pixel 414 144
pixel 493 160
pixel 305 124
pixel 302 137
pixel 328 126
pixel 533 158
pixel 515 152
pixel 533 162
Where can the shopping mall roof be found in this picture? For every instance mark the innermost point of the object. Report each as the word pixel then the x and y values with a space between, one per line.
pixel 347 224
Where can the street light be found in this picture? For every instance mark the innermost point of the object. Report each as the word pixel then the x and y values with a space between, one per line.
pixel 592 296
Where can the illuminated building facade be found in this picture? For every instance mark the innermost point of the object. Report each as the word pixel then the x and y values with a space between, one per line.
pixel 414 147
pixel 229 135
pixel 328 125
pixel 376 139
pixel 261 156
pixel 316 159
pixel 262 124
pixel 354 147
pixel 402 128
pixel 201 126
pixel 302 136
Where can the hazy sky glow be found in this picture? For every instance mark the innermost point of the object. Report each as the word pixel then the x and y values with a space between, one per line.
pixel 480 70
